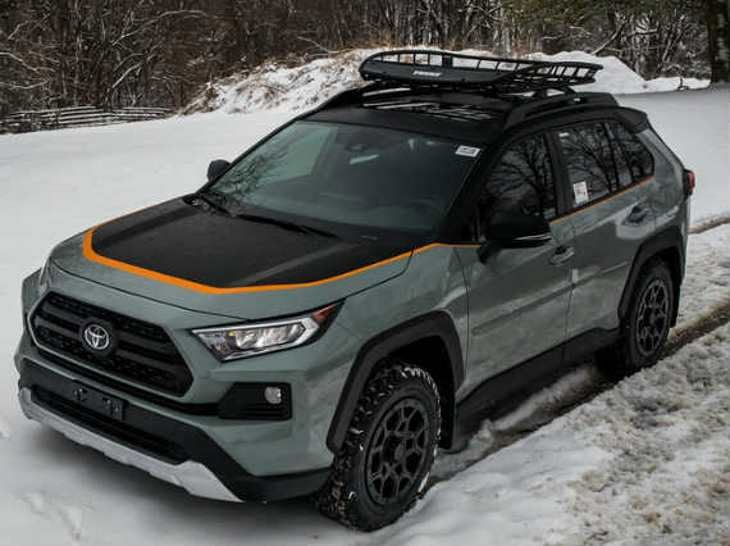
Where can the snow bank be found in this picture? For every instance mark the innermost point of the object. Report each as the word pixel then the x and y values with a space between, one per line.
pixel 276 87
pixel 617 78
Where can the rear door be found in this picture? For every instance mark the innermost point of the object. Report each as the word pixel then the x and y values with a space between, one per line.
pixel 605 170
pixel 518 297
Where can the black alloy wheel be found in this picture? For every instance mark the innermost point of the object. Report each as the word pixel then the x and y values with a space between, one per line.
pixel 398 451
pixel 652 317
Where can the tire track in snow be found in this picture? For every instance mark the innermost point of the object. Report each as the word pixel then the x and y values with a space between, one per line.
pixel 707 225
pixel 4 429
pixel 667 429
pixel 66 513
pixel 690 331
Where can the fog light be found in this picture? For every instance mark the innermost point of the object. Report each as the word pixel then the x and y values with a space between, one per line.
pixel 273 395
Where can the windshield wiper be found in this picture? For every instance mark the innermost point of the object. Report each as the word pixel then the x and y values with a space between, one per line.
pixel 214 200
pixel 286 224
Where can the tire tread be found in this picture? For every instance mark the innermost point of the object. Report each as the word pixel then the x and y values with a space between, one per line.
pixel 337 499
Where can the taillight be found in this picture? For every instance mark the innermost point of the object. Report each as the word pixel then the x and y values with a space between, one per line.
pixel 689 180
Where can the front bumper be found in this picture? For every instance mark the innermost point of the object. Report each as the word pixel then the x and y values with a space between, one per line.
pixel 168 449
pixel 194 477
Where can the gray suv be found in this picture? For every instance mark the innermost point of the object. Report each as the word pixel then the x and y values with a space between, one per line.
pixel 364 285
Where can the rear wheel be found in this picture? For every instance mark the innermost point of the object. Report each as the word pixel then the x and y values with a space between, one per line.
pixel 647 322
pixel 390 447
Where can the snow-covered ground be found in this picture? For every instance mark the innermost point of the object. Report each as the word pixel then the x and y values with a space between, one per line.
pixel 647 462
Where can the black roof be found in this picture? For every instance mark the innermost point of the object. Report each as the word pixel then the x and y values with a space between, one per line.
pixel 476 130
pixel 473 99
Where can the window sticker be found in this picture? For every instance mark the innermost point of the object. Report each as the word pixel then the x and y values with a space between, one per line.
pixel 468 151
pixel 580 191
pixel 363 159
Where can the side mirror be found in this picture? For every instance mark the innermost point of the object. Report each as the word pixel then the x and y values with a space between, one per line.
pixel 216 168
pixel 515 230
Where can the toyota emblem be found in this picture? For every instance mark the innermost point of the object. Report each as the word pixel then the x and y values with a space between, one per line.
pixel 97 337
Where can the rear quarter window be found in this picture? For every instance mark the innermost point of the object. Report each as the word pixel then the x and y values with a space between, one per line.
pixel 634 162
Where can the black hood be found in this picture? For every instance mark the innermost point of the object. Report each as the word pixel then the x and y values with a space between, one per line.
pixel 214 249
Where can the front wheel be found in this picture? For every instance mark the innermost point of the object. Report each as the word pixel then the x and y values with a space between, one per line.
pixel 390 447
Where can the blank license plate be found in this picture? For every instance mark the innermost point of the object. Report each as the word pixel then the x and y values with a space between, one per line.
pixel 97 401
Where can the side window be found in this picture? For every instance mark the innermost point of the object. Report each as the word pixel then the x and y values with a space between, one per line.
pixel 521 182
pixel 634 161
pixel 589 160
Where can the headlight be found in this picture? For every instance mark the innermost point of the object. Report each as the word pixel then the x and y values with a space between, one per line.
pixel 242 340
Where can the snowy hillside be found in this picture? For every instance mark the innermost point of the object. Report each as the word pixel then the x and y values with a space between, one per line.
pixel 645 462
pixel 275 87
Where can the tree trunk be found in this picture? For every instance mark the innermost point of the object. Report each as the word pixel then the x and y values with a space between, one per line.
pixel 718 35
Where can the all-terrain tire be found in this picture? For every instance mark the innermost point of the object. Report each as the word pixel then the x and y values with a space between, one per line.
pixel 646 325
pixel 390 446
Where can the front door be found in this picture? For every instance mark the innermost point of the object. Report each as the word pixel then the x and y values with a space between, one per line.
pixel 518 297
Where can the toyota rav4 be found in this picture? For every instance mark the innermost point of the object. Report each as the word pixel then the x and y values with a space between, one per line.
pixel 363 285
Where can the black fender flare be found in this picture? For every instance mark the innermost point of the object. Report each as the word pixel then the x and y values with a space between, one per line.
pixel 670 238
pixel 435 324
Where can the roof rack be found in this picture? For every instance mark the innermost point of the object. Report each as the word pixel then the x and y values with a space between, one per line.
pixel 492 75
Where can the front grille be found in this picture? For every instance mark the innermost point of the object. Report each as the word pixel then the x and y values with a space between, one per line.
pixel 143 354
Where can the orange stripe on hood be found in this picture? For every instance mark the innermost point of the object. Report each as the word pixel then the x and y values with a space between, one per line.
pixel 91 255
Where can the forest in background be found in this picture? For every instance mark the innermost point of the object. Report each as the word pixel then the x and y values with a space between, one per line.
pixel 117 53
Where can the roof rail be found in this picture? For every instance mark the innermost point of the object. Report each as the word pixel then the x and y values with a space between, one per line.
pixel 492 75
pixel 543 106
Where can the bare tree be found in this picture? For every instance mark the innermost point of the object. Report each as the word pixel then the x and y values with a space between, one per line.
pixel 112 53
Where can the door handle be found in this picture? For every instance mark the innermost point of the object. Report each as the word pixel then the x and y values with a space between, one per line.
pixel 638 214
pixel 562 254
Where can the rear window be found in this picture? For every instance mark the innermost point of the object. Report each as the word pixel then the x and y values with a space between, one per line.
pixel 351 174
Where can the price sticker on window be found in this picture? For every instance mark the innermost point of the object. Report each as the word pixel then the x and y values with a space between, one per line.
pixel 580 192
pixel 468 151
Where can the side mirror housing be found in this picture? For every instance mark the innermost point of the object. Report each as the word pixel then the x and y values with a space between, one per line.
pixel 514 230
pixel 216 168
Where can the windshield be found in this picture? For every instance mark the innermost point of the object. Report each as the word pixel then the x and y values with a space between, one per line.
pixel 349 174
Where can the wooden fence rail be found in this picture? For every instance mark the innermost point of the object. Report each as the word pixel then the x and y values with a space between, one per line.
pixel 76 116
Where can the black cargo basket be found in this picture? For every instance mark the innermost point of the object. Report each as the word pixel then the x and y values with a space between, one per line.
pixel 490 74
